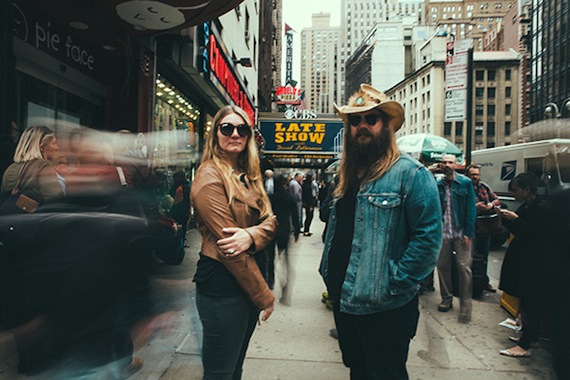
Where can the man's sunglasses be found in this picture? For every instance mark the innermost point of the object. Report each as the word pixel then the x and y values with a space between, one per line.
pixel 370 119
pixel 227 129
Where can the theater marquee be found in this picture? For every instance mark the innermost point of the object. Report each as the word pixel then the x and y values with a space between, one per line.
pixel 301 138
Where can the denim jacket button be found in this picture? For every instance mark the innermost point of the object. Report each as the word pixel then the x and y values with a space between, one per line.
pixel 385 202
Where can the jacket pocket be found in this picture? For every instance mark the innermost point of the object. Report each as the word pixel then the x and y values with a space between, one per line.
pixel 385 201
pixel 399 282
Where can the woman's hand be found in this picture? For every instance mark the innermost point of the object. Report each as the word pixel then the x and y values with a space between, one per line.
pixel 239 241
pixel 267 312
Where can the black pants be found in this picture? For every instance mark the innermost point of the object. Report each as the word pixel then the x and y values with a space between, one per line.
pixel 375 346
pixel 309 211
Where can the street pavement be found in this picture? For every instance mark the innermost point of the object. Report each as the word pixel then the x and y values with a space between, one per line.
pixel 295 343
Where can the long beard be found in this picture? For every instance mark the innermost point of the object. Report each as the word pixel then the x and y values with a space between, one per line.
pixel 361 158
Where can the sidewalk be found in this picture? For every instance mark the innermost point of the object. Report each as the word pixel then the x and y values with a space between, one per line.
pixel 295 344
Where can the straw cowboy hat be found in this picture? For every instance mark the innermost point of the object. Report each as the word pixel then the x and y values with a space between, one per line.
pixel 368 98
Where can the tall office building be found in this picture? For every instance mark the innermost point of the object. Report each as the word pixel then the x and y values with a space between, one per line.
pixel 359 18
pixel 550 62
pixel 319 64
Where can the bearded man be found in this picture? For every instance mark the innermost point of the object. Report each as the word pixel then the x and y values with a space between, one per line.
pixel 383 238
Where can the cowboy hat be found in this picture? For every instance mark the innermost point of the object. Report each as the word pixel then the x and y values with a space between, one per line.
pixel 368 98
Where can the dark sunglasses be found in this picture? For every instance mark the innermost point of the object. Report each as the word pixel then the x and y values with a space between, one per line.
pixel 227 129
pixel 370 119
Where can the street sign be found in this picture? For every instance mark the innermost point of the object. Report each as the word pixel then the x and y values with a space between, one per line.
pixel 456 79
pixel 455 105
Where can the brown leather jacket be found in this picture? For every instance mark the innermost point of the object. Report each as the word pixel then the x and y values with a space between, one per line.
pixel 209 196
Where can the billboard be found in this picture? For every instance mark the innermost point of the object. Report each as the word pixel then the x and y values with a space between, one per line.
pixel 300 136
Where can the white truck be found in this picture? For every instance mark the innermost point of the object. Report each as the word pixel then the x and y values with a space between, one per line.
pixel 548 159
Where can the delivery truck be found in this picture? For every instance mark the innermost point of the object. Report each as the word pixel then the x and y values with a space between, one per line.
pixel 548 159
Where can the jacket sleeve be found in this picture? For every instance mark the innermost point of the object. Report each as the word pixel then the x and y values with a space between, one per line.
pixel 423 215
pixel 470 212
pixel 210 201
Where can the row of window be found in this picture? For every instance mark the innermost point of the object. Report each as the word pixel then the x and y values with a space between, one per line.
pixel 479 128
pixel 491 92
pixel 491 75
pixel 480 109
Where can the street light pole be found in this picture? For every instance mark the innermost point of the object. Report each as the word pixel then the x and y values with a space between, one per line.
pixel 469 120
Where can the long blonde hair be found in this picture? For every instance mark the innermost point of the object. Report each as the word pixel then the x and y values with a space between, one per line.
pixel 376 171
pixel 248 160
pixel 32 142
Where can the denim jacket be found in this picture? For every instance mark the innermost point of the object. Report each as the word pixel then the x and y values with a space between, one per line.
pixel 463 198
pixel 396 241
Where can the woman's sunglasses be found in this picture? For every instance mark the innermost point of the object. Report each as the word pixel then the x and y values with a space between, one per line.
pixel 227 129
pixel 370 119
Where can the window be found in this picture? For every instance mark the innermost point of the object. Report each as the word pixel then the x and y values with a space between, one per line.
pixel 491 128
pixel 491 110
pixel 507 128
pixel 447 128
pixel 479 75
pixel 478 131
pixel 491 92
pixel 479 109
pixel 507 92
pixel 507 109
pixel 491 74
pixel 479 92
pixel 508 74
pixel 459 128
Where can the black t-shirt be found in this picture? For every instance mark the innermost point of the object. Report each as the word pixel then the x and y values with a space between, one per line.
pixel 213 279
pixel 339 254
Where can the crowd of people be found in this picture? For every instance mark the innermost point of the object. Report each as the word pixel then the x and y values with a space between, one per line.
pixel 390 225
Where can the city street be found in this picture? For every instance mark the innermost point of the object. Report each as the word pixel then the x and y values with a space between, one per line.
pixel 295 342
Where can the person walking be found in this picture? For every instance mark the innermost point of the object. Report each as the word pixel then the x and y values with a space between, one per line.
pixel 486 204
pixel 235 220
pixel 383 238
pixel 458 205
pixel 297 192
pixel 269 182
pixel 309 198
pixel 285 209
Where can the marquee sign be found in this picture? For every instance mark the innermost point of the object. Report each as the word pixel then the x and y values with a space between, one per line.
pixel 315 136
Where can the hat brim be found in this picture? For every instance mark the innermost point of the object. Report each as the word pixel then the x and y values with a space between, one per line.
pixel 391 108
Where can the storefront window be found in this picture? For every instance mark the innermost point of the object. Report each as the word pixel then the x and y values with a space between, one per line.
pixel 176 128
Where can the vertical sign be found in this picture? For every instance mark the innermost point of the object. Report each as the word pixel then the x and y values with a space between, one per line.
pixel 456 79
pixel 289 57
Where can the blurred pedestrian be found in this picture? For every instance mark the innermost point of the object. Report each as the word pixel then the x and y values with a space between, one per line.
pixel 297 192
pixel 234 217
pixel 32 171
pixel 180 210
pixel 285 209
pixel 269 181
pixel 383 239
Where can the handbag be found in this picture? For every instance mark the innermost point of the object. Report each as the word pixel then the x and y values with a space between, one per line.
pixel 14 201
pixel 488 224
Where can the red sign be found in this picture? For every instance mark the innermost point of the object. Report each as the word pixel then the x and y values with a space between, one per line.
pixel 227 78
pixel 288 95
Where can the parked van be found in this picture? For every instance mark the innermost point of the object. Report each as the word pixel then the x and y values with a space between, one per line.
pixel 548 159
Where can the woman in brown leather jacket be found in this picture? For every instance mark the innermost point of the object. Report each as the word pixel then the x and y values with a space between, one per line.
pixel 234 217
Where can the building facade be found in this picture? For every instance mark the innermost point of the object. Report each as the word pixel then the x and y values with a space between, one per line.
pixel 270 47
pixel 495 96
pixel 550 62
pixel 320 79
pixel 468 18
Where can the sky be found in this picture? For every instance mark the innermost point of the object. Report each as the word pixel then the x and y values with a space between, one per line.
pixel 297 14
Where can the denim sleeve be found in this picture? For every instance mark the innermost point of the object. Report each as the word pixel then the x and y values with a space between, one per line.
pixel 423 217
pixel 471 213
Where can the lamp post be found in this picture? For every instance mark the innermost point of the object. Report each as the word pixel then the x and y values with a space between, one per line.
pixel 551 111
pixel 565 111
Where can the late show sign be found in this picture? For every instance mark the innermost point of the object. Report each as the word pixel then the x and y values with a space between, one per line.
pixel 314 135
